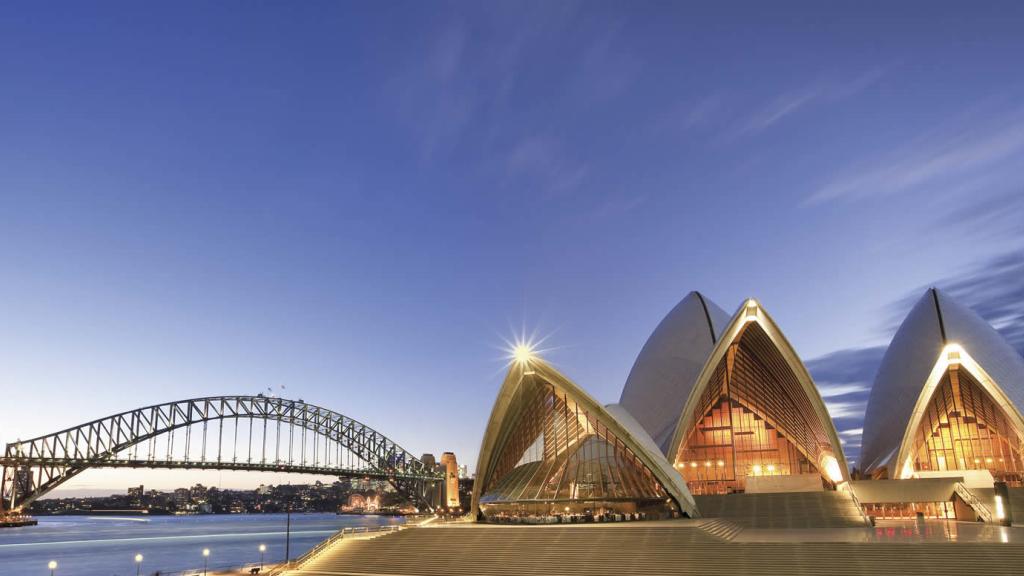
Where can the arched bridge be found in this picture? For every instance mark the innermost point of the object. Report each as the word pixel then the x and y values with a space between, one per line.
pixel 256 433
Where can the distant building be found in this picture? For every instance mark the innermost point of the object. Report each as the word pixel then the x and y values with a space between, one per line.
pixel 182 498
pixel 429 460
pixel 451 480
pixel 136 495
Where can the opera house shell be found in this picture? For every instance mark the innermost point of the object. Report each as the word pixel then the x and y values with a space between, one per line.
pixel 717 405
pixel 668 366
pixel 947 397
pixel 753 420
pixel 550 451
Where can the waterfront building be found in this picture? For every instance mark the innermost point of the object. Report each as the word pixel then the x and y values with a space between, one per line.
pixel 668 365
pixel 753 421
pixel 182 498
pixel 552 453
pixel 429 460
pixel 947 398
pixel 451 480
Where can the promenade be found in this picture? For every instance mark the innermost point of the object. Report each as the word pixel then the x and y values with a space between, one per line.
pixel 706 547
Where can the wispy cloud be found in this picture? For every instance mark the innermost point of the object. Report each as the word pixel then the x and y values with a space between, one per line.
pixel 432 95
pixel 689 114
pixel 853 366
pixel 994 289
pixel 833 390
pixel 779 108
pixel 792 101
pixel 940 157
pixel 541 163
pixel 846 409
pixel 844 381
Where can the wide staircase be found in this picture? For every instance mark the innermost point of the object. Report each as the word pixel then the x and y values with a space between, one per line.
pixel 658 548
pixel 825 509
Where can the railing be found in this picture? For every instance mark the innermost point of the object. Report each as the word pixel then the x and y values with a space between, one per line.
pixel 860 507
pixel 965 493
pixel 321 547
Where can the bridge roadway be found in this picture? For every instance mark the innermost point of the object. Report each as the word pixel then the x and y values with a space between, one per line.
pixel 250 433
pixel 700 547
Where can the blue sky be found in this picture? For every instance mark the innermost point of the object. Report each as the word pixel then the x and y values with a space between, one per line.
pixel 362 203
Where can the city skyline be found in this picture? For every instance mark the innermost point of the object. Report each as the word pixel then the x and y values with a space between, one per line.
pixel 224 205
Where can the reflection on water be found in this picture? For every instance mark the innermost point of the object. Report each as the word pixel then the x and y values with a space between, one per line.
pixel 106 546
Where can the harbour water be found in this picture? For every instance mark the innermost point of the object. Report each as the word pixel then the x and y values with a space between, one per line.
pixel 106 546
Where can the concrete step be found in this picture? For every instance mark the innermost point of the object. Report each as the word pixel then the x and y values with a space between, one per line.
pixel 784 510
pixel 721 528
pixel 643 551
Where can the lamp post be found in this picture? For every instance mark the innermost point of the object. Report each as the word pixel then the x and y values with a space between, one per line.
pixel 206 557
pixel 263 548
pixel 138 564
pixel 52 566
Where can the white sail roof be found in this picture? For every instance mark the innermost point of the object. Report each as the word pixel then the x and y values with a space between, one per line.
pixel 668 365
pixel 935 322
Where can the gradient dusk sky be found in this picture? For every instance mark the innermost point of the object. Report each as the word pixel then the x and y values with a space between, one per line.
pixel 363 202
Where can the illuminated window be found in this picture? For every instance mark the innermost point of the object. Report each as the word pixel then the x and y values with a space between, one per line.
pixel 753 419
pixel 556 454
pixel 963 428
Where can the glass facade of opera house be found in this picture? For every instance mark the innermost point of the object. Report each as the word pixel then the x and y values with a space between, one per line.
pixel 558 460
pixel 754 422
pixel 720 404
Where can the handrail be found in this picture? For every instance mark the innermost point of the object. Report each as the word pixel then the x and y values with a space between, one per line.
pixel 319 548
pixel 860 507
pixel 972 500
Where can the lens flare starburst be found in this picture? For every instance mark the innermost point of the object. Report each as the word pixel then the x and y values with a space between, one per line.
pixel 524 349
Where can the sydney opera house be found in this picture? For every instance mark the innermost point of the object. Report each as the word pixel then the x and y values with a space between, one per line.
pixel 720 418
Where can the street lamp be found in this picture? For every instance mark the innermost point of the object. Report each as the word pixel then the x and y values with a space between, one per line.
pixel 206 557
pixel 52 566
pixel 263 548
pixel 138 564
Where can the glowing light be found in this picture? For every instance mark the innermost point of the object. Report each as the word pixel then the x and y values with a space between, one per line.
pixel 952 352
pixel 206 552
pixel 693 464
pixel 138 558
pixel 707 464
pixel 721 463
pixel 263 547
pixel 52 565
pixel 908 469
pixel 522 353
pixel 771 467
pixel 757 469
pixel 751 311
pixel 1000 511
pixel 831 467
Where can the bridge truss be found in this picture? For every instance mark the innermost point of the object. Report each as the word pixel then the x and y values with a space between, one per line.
pixel 252 433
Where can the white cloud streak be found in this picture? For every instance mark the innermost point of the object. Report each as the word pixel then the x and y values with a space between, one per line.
pixel 833 390
pixel 955 151
pixel 793 101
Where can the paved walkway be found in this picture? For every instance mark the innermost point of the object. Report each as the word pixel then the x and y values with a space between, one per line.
pixel 678 547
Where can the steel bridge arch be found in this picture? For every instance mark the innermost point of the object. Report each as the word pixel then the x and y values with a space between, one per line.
pixel 55 458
